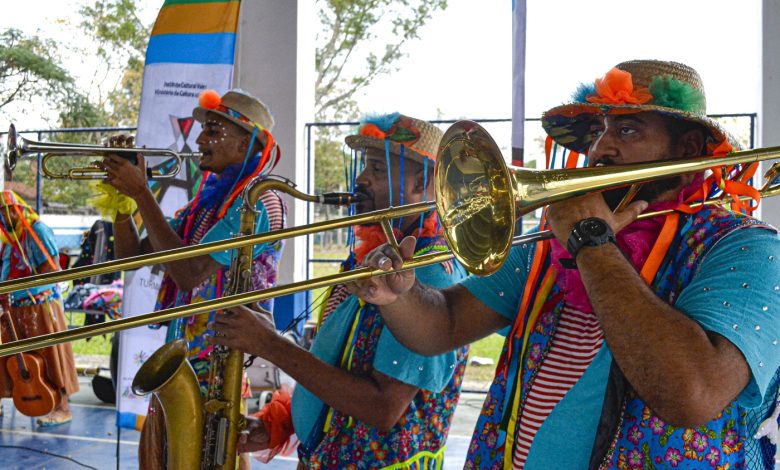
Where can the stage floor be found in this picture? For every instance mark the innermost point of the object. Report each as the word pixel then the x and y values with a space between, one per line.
pixel 91 438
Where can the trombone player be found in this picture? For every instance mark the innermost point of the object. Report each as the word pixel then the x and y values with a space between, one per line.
pixel 633 343
pixel 236 146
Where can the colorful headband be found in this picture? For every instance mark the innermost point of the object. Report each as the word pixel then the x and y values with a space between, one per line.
pixel 390 126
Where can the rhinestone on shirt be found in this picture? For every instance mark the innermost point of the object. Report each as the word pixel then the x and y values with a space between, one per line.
pixel 745 285
pixel 733 268
pixel 395 363
pixel 420 368
pixel 501 294
pixel 744 248
pixel 765 308
pixel 758 327
pixel 771 258
pixel 760 364
pixel 706 289
pixel 774 342
pixel 776 288
pixel 726 303
pixel 735 327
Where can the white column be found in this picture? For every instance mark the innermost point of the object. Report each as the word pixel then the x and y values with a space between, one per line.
pixel 769 112
pixel 275 62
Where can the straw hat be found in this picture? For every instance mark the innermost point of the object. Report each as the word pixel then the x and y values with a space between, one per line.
pixel 419 138
pixel 238 107
pixel 668 88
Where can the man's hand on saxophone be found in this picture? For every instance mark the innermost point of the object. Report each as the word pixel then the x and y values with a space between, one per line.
pixel 250 331
pixel 254 437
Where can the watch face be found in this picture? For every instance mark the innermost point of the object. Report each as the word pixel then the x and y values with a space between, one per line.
pixel 594 227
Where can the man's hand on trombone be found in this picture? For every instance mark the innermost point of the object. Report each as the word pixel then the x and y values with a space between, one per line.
pixel 383 290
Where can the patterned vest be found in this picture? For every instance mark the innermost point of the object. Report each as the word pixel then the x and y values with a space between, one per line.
pixel 632 425
pixel 417 440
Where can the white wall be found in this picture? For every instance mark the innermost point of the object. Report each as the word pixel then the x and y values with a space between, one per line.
pixel 769 112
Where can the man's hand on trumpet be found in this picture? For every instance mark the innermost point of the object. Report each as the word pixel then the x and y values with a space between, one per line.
pixel 128 178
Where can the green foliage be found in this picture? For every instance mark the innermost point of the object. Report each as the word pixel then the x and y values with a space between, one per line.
pixel 29 68
pixel 348 58
pixel 349 32
pixel 490 347
pixel 97 345
pixel 121 39
pixel 81 112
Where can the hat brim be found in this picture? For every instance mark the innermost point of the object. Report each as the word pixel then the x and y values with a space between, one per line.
pixel 358 142
pixel 200 114
pixel 569 124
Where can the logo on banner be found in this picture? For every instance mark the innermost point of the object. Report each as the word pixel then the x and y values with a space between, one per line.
pixel 189 179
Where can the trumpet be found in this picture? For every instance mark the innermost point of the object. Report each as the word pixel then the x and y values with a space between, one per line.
pixel 18 147
pixel 478 199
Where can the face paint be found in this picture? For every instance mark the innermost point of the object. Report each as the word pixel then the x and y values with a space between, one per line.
pixel 216 132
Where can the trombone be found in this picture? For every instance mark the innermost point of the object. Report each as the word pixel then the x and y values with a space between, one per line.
pixel 478 200
pixel 18 147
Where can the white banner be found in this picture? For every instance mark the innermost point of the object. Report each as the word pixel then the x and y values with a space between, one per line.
pixel 169 95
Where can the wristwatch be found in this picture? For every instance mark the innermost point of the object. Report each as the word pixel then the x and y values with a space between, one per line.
pixel 589 232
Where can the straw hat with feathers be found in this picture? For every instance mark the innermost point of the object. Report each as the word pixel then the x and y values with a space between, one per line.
pixel 668 88
pixel 420 138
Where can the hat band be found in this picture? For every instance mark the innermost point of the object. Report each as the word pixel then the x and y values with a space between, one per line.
pixel 236 115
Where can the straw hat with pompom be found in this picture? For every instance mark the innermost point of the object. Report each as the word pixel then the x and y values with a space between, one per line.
pixel 420 138
pixel 236 106
pixel 668 88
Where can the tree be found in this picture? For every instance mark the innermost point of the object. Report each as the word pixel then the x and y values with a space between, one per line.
pixel 121 39
pixel 349 57
pixel 29 68
pixel 349 33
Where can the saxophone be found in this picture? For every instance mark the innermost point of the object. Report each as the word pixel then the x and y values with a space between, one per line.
pixel 203 432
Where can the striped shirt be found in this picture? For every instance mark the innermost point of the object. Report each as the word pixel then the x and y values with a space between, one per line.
pixel 577 340
pixel 275 209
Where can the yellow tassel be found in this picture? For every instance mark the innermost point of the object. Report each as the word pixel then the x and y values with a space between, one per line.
pixel 110 202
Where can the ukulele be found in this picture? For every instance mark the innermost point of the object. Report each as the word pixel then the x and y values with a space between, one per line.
pixel 33 395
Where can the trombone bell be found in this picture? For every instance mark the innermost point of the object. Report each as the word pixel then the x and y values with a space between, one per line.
pixel 474 197
pixel 479 197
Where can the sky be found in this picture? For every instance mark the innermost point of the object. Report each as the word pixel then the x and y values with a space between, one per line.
pixel 461 65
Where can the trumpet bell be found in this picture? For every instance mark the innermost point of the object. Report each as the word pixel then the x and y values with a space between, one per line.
pixel 13 151
pixel 474 197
